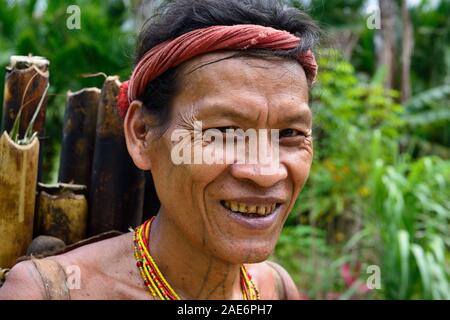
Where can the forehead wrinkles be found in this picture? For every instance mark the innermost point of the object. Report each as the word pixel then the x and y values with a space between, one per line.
pixel 217 72
pixel 240 81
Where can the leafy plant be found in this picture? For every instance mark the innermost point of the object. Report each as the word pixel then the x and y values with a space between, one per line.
pixel 29 133
pixel 412 211
pixel 428 117
pixel 103 44
pixel 368 201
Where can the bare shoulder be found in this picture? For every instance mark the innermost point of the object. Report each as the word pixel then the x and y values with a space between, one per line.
pixel 274 282
pixel 96 255
pixel 22 283
pixel 101 270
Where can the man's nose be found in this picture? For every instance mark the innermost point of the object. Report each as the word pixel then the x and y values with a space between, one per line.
pixel 265 175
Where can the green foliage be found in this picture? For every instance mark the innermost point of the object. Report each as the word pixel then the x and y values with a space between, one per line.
pixel 29 133
pixel 364 172
pixel 429 116
pixel 412 211
pixel 101 45
pixel 334 14
pixel 348 114
pixel 304 252
pixel 430 64
pixel 428 97
pixel 377 194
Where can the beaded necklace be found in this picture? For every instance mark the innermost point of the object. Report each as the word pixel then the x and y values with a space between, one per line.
pixel 155 281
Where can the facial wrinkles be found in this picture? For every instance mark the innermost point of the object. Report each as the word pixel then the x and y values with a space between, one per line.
pixel 267 115
pixel 186 119
pixel 271 95
pixel 275 95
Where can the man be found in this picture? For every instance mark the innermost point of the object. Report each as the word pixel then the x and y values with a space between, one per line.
pixel 230 66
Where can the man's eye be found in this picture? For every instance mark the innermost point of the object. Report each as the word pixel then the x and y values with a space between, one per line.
pixel 291 133
pixel 224 129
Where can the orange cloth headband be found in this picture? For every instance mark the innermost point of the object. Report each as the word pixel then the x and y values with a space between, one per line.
pixel 174 52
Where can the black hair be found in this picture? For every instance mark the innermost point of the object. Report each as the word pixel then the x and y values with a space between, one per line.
pixel 177 17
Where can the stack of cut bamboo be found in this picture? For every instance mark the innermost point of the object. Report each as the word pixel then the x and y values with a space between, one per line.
pixel 25 87
pixel 99 189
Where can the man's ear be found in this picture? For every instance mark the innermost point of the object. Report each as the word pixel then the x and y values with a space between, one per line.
pixel 136 135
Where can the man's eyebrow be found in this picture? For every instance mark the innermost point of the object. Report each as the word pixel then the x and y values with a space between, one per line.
pixel 302 116
pixel 223 111
pixel 246 113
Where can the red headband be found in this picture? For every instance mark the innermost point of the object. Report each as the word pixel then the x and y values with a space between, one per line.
pixel 174 52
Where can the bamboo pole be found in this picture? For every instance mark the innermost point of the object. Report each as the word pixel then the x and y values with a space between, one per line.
pixel 62 212
pixel 117 185
pixel 18 178
pixel 26 81
pixel 78 144
pixel 3 273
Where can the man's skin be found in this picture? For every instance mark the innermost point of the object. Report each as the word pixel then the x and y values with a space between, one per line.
pixel 196 243
pixel 111 274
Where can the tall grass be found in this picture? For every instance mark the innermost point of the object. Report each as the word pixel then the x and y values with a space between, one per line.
pixel 411 209
pixel 368 200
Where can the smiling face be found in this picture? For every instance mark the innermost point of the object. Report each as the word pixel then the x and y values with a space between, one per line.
pixel 234 211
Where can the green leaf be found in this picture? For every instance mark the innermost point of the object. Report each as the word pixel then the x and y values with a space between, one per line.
pixel 403 244
pixel 424 269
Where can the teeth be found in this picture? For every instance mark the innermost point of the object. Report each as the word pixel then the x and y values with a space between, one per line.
pixel 253 209
pixel 261 210
pixel 242 208
pixel 234 206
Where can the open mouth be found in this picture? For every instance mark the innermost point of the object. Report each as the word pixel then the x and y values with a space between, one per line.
pixel 250 210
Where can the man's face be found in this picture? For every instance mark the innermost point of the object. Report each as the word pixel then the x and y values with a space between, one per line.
pixel 236 211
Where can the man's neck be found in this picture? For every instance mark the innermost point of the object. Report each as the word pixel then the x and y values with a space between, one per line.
pixel 191 272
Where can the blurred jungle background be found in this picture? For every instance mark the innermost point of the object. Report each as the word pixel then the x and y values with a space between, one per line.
pixel 373 220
